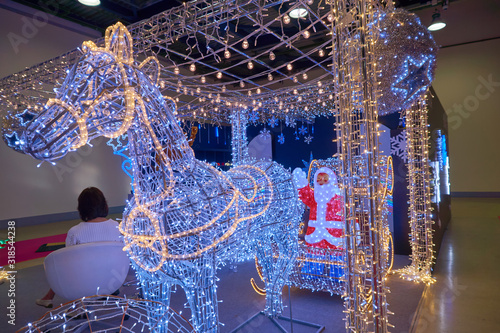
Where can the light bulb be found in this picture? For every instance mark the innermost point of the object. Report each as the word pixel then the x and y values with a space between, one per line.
pixel 192 67
pixel 219 75
pixel 176 70
pixel 227 54
pixel 289 67
pixel 90 2
pixel 203 80
pixel 306 34
pixel 242 84
pixel 286 19
pixel 272 56
pixel 321 53
pixel 270 77
pixel 250 65
pixel 298 13
pixel 245 44
pixel 304 76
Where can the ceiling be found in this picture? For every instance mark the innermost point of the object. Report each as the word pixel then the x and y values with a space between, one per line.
pixel 132 11
pixel 288 71
pixel 106 14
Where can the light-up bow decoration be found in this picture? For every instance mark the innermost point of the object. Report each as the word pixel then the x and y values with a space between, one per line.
pixel 186 217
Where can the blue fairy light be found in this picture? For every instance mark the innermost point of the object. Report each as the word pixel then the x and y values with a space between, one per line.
pixel 273 122
pixel 414 79
pixel 26 117
pixel 303 130
pixel 12 140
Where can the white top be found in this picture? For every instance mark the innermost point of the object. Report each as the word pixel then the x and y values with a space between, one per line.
pixel 88 232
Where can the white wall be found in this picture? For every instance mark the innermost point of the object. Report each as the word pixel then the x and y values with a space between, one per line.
pixel 26 190
pixel 468 86
pixel 470 55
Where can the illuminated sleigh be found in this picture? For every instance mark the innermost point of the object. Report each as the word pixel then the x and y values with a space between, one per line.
pixel 320 269
pixel 323 269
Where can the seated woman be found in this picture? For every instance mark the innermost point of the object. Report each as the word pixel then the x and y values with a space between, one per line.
pixel 93 210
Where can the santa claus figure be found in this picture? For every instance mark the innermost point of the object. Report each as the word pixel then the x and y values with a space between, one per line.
pixel 326 205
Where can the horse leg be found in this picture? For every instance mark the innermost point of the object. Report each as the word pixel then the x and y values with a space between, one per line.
pixel 277 258
pixel 157 290
pixel 201 294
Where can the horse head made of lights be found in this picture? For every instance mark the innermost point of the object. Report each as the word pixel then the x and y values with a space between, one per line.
pixel 185 217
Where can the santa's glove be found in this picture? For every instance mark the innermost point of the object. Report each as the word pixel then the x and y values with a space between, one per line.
pixel 299 178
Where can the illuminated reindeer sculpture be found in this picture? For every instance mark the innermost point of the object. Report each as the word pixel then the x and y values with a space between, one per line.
pixel 186 217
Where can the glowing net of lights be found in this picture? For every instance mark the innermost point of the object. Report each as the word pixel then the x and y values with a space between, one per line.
pixel 218 56
pixel 107 314
pixel 186 217
pixel 355 32
pixel 323 269
pixel 420 209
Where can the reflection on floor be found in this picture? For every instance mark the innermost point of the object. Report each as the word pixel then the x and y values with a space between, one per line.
pixel 464 298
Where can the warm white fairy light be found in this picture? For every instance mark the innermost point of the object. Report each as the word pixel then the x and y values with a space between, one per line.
pixel 286 19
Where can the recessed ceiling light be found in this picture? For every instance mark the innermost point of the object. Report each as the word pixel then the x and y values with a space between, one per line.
pixel 90 2
pixel 298 13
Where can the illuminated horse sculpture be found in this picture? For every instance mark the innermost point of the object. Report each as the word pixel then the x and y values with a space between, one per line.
pixel 186 217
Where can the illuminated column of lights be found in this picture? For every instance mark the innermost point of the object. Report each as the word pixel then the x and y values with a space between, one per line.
pixel 420 209
pixel 239 141
pixel 357 134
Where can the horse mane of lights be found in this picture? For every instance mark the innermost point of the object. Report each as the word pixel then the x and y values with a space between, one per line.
pixel 211 61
